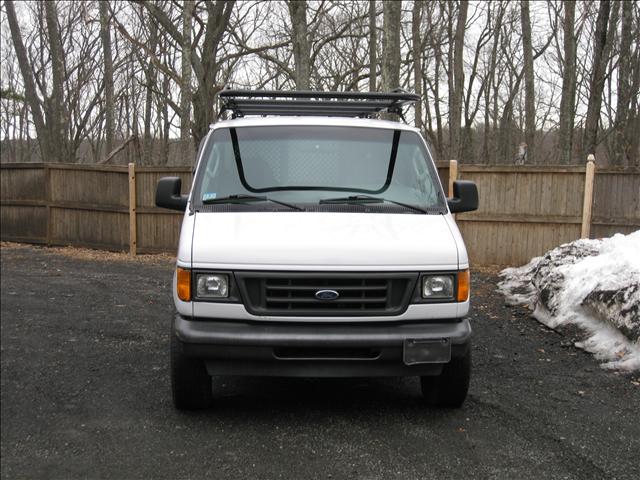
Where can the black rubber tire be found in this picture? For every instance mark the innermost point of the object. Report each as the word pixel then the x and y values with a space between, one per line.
pixel 190 382
pixel 449 389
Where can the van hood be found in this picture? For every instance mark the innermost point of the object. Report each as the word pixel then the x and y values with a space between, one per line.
pixel 323 241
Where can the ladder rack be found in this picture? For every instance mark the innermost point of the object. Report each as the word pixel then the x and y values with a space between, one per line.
pixel 303 103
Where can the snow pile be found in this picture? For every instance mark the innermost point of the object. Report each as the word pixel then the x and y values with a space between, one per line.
pixel 592 284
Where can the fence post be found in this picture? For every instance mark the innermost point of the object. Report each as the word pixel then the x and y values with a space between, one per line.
pixel 453 175
pixel 587 204
pixel 132 210
pixel 47 199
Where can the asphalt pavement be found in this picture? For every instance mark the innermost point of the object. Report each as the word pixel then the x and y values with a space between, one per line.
pixel 85 394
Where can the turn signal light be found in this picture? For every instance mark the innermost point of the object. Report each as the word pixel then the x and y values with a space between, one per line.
pixel 464 279
pixel 183 285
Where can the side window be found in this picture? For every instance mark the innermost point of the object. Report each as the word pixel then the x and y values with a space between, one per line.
pixel 412 169
pixel 208 180
pixel 200 149
pixel 424 182
pixel 219 173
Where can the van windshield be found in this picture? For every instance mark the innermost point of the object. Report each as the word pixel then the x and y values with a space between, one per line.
pixel 317 165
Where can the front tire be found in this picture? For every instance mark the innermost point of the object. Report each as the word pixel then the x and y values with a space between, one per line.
pixel 190 382
pixel 449 389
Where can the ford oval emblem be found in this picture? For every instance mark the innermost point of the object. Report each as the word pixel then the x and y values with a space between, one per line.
pixel 327 294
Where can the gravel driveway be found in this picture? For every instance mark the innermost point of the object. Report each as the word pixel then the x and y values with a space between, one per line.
pixel 85 394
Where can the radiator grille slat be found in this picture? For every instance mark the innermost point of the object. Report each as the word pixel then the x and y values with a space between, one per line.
pixel 294 293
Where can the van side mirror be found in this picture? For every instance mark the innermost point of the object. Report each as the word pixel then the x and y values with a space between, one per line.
pixel 168 194
pixel 465 197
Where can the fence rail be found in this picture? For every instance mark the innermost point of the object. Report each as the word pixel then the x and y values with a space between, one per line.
pixel 524 210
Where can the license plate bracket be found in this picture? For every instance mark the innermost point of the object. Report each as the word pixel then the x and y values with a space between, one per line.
pixel 433 350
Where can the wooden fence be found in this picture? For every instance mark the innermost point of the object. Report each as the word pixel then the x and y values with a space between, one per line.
pixel 524 210
pixel 89 206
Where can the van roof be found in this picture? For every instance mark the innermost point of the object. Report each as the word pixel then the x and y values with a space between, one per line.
pixel 313 121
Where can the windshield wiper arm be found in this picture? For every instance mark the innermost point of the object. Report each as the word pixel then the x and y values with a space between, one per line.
pixel 242 198
pixel 358 199
pixel 353 199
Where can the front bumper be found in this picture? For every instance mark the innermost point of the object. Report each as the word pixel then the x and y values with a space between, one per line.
pixel 322 350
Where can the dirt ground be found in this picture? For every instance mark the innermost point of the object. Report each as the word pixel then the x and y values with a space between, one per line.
pixel 85 394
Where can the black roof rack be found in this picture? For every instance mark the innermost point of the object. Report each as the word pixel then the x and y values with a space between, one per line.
pixel 336 104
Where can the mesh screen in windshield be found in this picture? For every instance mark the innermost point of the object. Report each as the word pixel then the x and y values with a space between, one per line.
pixel 315 157
pixel 296 161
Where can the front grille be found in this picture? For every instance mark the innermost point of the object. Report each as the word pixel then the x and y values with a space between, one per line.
pixel 294 293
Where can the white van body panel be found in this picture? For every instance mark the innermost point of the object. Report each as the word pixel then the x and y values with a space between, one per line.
pixel 323 241
pixel 319 241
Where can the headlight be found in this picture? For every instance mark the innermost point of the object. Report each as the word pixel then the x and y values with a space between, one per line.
pixel 212 285
pixel 437 286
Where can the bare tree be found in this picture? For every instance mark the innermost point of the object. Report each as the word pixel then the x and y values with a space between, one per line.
pixel 373 47
pixel 31 94
pixel 91 74
pixel 603 40
pixel 529 86
pixel 150 75
pixel 567 100
pixel 185 87
pixel 204 60
pixel 391 45
pixel 109 105
pixel 623 135
pixel 491 87
pixel 57 112
pixel 455 114
pixel 416 40
pixel 300 42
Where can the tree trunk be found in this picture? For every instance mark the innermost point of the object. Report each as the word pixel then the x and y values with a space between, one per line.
pixel 436 107
pixel 109 106
pixel 391 46
pixel 166 121
pixel 150 78
pixel 390 50
pixel 417 59
pixel 57 117
pixel 455 115
pixel 373 42
pixel 505 130
pixel 529 86
pixel 567 100
pixel 185 87
pixel 633 120
pixel 488 149
pixel 300 42
pixel 29 83
pixel 622 141
pixel 602 45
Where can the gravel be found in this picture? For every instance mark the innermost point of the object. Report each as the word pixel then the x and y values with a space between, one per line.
pixel 85 394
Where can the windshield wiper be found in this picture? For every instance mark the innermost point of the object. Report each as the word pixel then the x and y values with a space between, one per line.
pixel 359 199
pixel 242 198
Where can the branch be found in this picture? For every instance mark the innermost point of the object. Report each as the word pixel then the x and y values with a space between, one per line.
pixel 118 149
pixel 171 29
pixel 154 59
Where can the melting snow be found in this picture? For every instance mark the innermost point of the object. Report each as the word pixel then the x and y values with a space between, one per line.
pixel 593 284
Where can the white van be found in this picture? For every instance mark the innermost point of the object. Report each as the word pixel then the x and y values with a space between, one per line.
pixel 318 241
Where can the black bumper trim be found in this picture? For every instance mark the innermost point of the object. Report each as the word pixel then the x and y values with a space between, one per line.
pixel 239 333
pixel 231 347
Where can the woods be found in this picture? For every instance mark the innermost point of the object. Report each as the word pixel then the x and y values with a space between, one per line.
pixel 502 82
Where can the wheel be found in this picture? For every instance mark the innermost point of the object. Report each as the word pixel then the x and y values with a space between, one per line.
pixel 449 389
pixel 190 382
